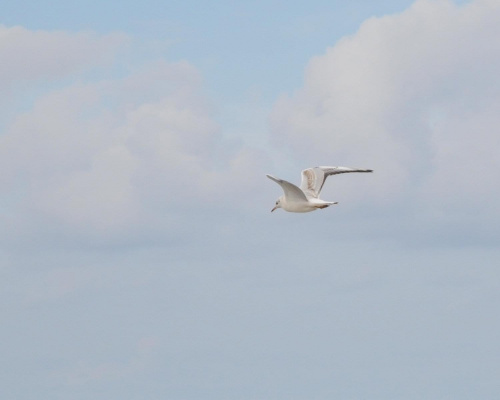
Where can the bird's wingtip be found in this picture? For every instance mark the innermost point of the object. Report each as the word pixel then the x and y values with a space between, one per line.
pixel 273 178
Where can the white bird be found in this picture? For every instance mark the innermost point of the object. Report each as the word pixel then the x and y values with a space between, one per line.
pixel 306 198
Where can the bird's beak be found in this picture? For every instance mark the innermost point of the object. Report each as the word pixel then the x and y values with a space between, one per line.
pixel 274 208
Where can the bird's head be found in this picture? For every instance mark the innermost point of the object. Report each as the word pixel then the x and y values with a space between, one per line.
pixel 278 204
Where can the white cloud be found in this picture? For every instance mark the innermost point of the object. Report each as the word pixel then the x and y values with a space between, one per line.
pixel 114 156
pixel 412 96
pixel 30 55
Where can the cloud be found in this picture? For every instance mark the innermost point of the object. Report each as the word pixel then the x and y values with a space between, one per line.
pixel 113 157
pixel 33 55
pixel 413 96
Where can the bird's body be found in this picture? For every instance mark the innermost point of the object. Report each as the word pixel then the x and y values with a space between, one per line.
pixel 303 206
pixel 306 198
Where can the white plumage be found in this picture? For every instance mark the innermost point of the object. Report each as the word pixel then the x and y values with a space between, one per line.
pixel 306 198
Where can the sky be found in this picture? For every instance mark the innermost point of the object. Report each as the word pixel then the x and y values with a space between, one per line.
pixel 139 258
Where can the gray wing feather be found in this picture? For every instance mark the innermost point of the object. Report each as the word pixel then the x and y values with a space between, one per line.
pixel 313 179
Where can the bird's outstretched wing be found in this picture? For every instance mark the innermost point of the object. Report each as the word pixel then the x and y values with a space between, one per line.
pixel 313 179
pixel 291 191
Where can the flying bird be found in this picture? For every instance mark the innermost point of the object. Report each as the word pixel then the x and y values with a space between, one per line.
pixel 306 198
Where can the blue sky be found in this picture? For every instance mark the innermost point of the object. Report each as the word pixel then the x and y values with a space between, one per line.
pixel 139 258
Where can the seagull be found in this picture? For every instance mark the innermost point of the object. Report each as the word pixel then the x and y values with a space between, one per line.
pixel 306 198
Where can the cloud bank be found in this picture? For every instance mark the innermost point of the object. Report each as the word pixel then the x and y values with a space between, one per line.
pixel 415 97
pixel 108 157
pixel 137 152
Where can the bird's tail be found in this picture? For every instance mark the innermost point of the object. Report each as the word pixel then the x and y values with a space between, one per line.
pixel 328 204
